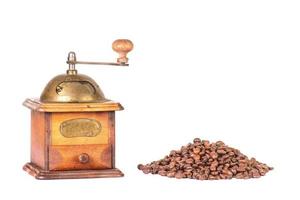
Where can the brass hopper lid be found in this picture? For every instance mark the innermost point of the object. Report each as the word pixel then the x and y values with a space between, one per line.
pixel 78 88
pixel 72 88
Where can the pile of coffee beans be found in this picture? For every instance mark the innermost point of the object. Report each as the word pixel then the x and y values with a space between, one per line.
pixel 203 160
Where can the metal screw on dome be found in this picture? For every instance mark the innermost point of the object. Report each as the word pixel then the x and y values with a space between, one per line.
pixel 71 61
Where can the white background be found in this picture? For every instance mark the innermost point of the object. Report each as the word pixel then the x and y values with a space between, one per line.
pixel 218 70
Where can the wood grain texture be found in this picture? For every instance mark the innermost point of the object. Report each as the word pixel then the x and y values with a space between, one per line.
pixel 42 174
pixel 38 139
pixel 112 136
pixel 58 139
pixel 37 105
pixel 67 157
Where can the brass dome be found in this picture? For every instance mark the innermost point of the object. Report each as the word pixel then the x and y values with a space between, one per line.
pixel 72 88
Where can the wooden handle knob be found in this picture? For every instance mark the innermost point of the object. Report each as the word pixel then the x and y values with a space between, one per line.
pixel 122 47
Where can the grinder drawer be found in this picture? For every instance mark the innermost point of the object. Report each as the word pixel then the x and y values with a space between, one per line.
pixel 77 157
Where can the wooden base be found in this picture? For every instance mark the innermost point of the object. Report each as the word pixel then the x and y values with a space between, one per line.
pixel 41 174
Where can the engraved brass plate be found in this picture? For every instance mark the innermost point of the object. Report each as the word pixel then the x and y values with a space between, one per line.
pixel 81 127
pixel 64 123
pixel 74 88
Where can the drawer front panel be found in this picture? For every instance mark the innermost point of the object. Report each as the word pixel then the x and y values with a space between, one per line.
pixel 76 157
pixel 79 128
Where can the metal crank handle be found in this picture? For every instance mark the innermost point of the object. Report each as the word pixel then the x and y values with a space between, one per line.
pixel 121 46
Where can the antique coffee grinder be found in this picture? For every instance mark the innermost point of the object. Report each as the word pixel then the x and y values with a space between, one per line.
pixel 73 125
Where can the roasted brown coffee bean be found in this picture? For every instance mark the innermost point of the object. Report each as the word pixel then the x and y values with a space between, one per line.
pixel 178 159
pixel 196 150
pixel 140 166
pixel 179 175
pixel 196 157
pixel 213 155
pixel 203 160
pixel 222 176
pixel 189 161
pixel 213 166
pixel 171 174
pixel 221 151
pixel 172 165
pixel 214 173
pixel 231 153
pixel 197 140
pixel 241 168
pixel 239 175
pixel 220 167
pixel 255 173
pixel 220 143
pixel 206 143
pixel 162 173
pixel 146 170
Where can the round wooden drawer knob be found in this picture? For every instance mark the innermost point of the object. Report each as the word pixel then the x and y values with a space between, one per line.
pixel 83 158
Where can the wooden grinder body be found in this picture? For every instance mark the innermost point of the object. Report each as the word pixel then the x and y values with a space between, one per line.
pixel 72 140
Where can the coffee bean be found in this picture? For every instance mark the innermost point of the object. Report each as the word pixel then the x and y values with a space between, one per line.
pixel 203 160
pixel 220 167
pixel 239 176
pixel 196 157
pixel 222 176
pixel 221 151
pixel 172 165
pixel 255 173
pixel 178 159
pixel 197 140
pixel 206 143
pixel 220 143
pixel 196 150
pixel 231 153
pixel 212 177
pixel 173 153
pixel 146 170
pixel 213 166
pixel 179 175
pixel 162 173
pixel 189 161
pixel 213 155
pixel 215 173
pixel 240 169
pixel 171 174
pixel 140 166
